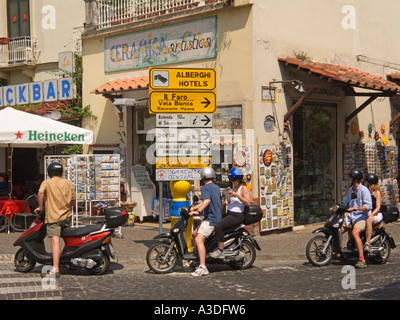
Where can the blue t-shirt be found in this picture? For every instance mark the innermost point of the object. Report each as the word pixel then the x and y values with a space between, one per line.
pixel 213 212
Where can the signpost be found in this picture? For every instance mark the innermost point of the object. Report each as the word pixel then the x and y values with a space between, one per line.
pixel 182 99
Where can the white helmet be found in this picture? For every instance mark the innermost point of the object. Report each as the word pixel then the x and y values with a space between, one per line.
pixel 207 173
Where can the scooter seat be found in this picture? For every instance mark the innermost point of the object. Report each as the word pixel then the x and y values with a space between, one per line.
pixel 81 231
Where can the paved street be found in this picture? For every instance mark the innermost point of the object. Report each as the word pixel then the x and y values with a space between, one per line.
pixel 277 280
pixel 281 272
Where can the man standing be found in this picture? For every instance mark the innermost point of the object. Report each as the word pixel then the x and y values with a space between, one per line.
pixel 212 207
pixel 56 195
pixel 359 202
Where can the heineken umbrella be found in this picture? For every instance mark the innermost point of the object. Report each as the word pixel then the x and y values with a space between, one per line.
pixel 25 130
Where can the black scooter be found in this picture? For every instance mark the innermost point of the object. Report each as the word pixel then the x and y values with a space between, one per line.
pixel 240 246
pixel 322 248
pixel 88 247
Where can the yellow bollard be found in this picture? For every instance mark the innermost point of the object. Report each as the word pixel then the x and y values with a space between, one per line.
pixel 179 191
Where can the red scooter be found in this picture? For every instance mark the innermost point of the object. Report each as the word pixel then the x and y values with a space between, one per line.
pixel 88 247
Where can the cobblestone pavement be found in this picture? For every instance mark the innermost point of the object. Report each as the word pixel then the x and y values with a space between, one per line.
pixel 281 272
pixel 276 280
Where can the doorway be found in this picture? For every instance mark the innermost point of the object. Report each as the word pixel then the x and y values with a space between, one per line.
pixel 314 149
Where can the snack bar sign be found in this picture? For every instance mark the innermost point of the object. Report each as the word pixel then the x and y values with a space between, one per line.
pixel 37 92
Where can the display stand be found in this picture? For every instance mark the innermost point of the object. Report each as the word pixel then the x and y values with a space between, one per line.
pixel 143 191
pixel 97 184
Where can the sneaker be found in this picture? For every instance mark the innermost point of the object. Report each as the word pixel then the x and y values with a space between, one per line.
pixel 217 254
pixel 367 247
pixel 361 264
pixel 200 271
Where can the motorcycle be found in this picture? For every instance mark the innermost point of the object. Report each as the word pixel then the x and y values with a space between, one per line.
pixel 322 248
pixel 240 247
pixel 88 247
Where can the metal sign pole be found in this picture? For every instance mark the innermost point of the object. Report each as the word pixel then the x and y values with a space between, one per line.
pixel 161 206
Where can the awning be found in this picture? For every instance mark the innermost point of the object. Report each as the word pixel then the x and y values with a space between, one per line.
pixel 345 77
pixel 342 75
pixel 122 85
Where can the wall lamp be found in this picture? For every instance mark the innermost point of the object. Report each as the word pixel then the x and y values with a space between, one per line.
pixel 119 104
pixel 298 85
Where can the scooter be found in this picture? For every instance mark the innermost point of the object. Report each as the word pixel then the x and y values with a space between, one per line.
pixel 88 247
pixel 240 247
pixel 321 249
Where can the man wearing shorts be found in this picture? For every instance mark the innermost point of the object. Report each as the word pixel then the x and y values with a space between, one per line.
pixel 359 203
pixel 212 207
pixel 56 195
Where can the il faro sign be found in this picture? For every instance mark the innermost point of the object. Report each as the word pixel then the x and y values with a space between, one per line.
pixel 37 92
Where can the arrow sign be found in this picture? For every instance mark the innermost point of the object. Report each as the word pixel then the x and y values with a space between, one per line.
pixel 182 102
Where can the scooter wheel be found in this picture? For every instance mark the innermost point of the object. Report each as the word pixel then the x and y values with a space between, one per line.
pixel 101 267
pixel 23 262
pixel 315 251
pixel 157 258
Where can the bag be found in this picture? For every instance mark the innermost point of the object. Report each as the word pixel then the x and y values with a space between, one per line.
pixel 390 213
pixel 252 214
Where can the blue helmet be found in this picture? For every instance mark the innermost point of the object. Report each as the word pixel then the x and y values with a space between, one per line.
pixel 235 173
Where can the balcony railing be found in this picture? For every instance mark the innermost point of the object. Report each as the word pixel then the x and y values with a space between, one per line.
pixel 18 51
pixel 107 13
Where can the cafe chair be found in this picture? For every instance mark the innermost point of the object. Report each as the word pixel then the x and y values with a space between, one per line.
pixel 25 216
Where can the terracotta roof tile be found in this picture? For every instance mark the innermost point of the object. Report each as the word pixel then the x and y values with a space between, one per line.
pixel 394 76
pixel 343 74
pixel 126 84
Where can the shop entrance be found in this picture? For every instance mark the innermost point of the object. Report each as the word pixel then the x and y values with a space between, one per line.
pixel 25 170
pixel 314 150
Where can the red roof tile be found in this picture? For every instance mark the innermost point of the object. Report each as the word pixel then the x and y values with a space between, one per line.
pixel 126 84
pixel 343 74
pixel 394 76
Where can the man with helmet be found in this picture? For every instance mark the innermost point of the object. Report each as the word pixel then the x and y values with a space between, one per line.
pixel 359 203
pixel 212 211
pixel 56 195
pixel 239 197
pixel 376 215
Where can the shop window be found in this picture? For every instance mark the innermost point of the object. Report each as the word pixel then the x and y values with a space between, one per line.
pixel 227 126
pixel 314 147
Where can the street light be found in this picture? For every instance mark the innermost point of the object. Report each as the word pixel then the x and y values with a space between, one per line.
pixel 298 85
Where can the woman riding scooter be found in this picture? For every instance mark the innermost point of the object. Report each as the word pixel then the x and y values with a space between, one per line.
pixel 239 198
pixel 376 216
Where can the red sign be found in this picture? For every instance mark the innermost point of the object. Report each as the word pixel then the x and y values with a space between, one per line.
pixel 14 18
pixel 25 16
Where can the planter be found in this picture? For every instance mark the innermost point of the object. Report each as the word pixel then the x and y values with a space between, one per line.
pixel 4 40
pixel 210 1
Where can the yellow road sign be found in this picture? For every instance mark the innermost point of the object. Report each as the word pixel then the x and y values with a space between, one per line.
pixel 182 102
pixel 191 79
pixel 183 163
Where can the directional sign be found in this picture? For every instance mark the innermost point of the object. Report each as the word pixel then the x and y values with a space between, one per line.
pixel 177 174
pixel 173 135
pixel 182 79
pixel 183 163
pixel 182 102
pixel 169 120
pixel 190 149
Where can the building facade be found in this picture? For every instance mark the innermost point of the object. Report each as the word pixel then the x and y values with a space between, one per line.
pixel 37 40
pixel 305 91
